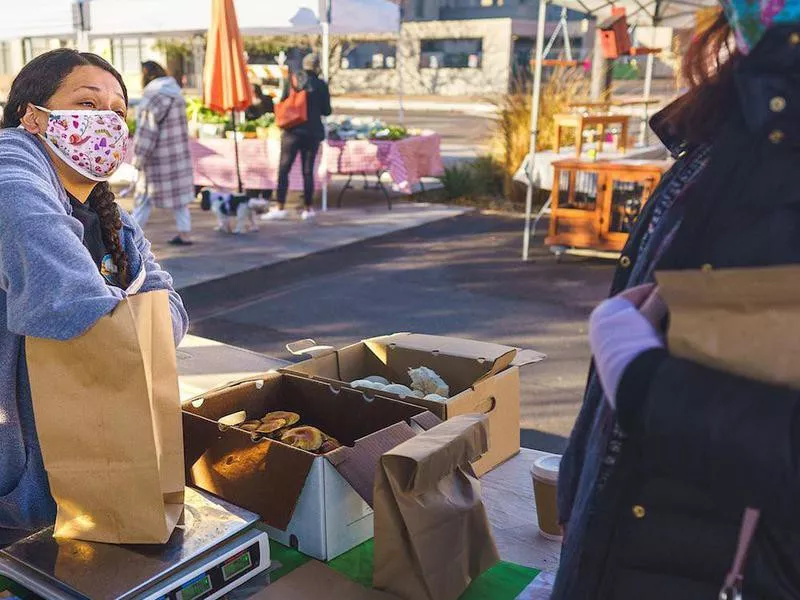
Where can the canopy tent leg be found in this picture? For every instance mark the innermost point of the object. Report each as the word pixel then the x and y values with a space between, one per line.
pixel 326 71
pixel 537 94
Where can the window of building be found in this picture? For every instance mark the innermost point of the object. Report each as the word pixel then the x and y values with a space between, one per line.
pixel 488 3
pixel 419 9
pixel 451 54
pixel 369 55
pixel 126 54
pixel 33 47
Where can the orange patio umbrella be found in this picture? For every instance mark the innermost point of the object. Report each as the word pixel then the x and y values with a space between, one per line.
pixel 225 83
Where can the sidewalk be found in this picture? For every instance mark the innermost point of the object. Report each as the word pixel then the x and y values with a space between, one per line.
pixel 216 256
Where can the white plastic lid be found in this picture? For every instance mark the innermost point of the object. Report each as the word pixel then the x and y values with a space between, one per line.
pixel 546 468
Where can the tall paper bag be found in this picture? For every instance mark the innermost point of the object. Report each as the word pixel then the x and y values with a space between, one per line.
pixel 432 535
pixel 107 410
pixel 743 321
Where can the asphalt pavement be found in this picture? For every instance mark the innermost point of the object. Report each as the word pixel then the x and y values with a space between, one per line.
pixel 460 276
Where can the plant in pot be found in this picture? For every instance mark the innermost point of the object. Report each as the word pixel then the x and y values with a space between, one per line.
pixel 264 124
pixel 244 131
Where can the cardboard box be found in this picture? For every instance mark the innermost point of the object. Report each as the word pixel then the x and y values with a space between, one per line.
pixel 483 378
pixel 320 505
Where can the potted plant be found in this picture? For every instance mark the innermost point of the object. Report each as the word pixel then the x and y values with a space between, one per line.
pixel 244 131
pixel 264 124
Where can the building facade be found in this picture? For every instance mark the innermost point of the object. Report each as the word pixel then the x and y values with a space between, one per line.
pixel 473 48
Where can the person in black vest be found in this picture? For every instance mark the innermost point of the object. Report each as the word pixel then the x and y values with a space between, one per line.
pixel 667 453
pixel 303 139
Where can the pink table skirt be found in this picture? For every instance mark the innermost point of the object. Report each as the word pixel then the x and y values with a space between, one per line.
pixel 406 161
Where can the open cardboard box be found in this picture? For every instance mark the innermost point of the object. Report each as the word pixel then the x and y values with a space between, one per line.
pixel 483 378
pixel 319 504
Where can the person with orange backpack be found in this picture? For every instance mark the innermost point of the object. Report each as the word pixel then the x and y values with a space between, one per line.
pixel 306 99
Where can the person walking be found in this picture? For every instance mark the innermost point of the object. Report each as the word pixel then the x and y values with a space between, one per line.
pixel 667 454
pixel 304 139
pixel 161 153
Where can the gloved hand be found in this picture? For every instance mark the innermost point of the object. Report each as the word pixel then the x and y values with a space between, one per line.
pixel 618 333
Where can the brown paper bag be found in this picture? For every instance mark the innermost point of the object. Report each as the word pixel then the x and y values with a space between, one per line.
pixel 743 321
pixel 432 536
pixel 108 416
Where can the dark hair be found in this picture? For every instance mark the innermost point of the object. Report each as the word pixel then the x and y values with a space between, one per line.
pixel 36 83
pixel 708 66
pixel 151 71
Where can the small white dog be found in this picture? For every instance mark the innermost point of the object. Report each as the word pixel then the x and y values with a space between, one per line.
pixel 228 206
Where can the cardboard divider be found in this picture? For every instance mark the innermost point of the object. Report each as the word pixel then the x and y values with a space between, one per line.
pixel 267 476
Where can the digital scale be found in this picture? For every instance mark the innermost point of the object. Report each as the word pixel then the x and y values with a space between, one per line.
pixel 216 550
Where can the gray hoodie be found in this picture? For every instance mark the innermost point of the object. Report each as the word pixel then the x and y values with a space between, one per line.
pixel 49 288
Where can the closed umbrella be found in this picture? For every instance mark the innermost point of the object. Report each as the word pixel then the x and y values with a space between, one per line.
pixel 225 83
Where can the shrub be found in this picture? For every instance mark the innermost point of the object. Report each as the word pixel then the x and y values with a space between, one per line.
pixel 481 178
pixel 511 139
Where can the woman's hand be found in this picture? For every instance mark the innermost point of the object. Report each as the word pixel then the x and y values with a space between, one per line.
pixel 619 332
pixel 649 302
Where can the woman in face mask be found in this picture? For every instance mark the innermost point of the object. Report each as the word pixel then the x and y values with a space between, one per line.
pixel 68 254
pixel 667 454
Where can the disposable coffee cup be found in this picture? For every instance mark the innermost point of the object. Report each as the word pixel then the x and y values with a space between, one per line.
pixel 545 482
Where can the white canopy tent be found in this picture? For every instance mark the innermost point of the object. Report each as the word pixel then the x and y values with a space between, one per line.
pixel 51 18
pixel 679 14
pixel 256 17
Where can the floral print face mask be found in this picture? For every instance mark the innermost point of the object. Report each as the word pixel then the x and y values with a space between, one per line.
pixel 93 142
pixel 751 19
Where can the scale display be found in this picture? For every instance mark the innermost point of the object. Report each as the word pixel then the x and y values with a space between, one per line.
pixel 215 578
pixel 195 589
pixel 236 565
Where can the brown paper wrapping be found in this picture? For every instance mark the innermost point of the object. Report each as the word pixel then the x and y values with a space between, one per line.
pixel 432 535
pixel 108 416
pixel 743 321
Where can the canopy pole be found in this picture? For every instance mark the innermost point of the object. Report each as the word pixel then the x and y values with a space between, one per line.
pixel 326 74
pixel 537 94
pixel 240 188
pixel 648 88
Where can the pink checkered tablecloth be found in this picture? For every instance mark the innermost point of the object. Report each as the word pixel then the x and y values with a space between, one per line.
pixel 214 165
pixel 406 161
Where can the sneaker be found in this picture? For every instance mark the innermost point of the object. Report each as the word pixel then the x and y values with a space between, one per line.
pixel 275 214
pixel 308 214
pixel 179 241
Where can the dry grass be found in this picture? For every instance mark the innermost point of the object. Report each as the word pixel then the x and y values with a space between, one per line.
pixel 511 138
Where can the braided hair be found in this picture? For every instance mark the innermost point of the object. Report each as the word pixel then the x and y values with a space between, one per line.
pixel 36 83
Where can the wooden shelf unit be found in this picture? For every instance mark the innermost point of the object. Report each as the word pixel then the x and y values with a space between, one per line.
pixel 595 203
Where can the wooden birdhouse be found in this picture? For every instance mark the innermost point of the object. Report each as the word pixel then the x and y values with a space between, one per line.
pixel 614 36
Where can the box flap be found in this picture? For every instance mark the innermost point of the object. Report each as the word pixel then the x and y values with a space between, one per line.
pixel 308 347
pixel 527 357
pixel 357 464
pixel 437 344
pixel 454 359
pixel 234 467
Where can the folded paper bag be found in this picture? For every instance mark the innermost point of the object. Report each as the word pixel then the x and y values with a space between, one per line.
pixel 432 535
pixel 742 321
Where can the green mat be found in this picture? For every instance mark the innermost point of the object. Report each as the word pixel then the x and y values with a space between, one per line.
pixel 504 581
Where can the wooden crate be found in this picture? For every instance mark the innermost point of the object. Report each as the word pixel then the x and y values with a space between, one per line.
pixel 595 203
